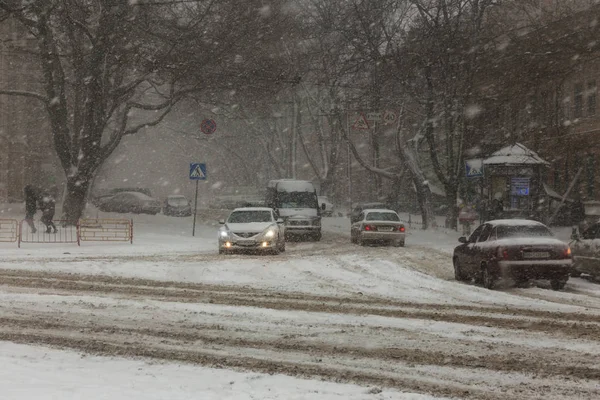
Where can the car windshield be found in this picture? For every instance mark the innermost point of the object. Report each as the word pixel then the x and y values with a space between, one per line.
pixel 177 201
pixel 513 231
pixel 238 217
pixel 382 216
pixel 297 200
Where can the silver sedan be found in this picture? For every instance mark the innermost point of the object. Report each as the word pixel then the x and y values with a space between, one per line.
pixel 378 225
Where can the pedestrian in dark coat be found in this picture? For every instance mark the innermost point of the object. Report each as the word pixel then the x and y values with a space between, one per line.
pixel 31 199
pixel 48 207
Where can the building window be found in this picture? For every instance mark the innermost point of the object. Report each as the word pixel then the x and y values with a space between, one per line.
pixel 590 174
pixel 591 98
pixel 578 100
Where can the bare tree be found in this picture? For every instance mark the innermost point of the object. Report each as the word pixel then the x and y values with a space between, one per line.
pixel 111 68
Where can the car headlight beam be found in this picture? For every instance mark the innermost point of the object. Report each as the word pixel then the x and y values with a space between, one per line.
pixel 270 233
pixel 224 234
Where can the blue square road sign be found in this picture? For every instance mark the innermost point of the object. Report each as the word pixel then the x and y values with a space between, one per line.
pixel 198 171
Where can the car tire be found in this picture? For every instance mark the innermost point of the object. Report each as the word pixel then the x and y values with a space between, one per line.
pixel 575 273
pixel 282 247
pixel 458 273
pixel 557 284
pixel 275 251
pixel 487 279
pixel 316 237
pixel 352 238
pixel 362 242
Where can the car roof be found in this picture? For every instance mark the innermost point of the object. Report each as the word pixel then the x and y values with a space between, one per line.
pixel 252 209
pixel 514 222
pixel 372 204
pixel 139 195
pixel 380 210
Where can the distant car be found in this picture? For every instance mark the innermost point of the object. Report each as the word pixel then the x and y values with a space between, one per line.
pixel 360 207
pixel 514 248
pixel 130 202
pixel 102 194
pixel 177 205
pixel 378 225
pixel 326 206
pixel 586 251
pixel 252 228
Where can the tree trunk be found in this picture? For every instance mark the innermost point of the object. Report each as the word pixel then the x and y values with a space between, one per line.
pixel 74 202
pixel 424 200
pixel 452 209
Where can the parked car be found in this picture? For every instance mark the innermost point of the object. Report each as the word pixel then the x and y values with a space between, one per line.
pixel 378 225
pixel 102 194
pixel 326 206
pixel 130 202
pixel 252 228
pixel 586 251
pixel 360 207
pixel 512 248
pixel 177 205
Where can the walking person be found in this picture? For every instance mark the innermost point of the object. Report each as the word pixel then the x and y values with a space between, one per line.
pixel 31 199
pixel 48 207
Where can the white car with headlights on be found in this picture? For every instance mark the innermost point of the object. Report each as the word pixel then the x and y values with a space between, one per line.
pixel 378 225
pixel 252 229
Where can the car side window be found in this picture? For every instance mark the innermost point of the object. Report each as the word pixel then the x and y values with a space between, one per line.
pixel 475 234
pixel 485 233
pixel 592 233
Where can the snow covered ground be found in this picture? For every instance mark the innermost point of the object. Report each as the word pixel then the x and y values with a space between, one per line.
pixel 168 317
pixel 42 373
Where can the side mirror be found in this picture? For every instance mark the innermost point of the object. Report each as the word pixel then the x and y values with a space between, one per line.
pixel 279 220
pixel 463 239
pixel 323 206
pixel 575 235
pixel 222 221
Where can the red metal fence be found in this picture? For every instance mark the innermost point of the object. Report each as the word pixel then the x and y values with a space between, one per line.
pixel 86 230
pixel 64 233
pixel 9 230
pixel 106 230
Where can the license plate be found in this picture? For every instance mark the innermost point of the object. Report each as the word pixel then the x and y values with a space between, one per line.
pixel 536 254
pixel 245 243
pixel 385 229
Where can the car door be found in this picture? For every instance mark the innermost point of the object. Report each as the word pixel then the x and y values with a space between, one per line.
pixel 468 251
pixel 280 227
pixel 586 251
pixel 355 227
pixel 482 250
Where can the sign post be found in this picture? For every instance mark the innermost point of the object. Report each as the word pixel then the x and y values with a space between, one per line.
pixel 197 173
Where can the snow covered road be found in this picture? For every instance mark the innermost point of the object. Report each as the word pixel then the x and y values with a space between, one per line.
pixel 380 317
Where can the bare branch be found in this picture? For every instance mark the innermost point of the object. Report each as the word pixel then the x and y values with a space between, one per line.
pixel 23 93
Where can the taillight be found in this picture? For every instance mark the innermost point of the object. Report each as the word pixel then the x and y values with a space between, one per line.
pixel 567 252
pixel 401 229
pixel 502 253
pixel 370 228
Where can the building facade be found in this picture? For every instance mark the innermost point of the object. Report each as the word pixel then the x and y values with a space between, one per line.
pixel 26 154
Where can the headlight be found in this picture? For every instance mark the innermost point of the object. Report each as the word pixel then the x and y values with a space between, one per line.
pixel 270 233
pixel 224 233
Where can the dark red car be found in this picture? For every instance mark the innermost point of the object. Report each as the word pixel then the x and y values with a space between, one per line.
pixel 512 248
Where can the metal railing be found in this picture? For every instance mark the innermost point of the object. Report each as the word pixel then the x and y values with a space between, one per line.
pixel 106 230
pixel 64 233
pixel 9 230
pixel 86 230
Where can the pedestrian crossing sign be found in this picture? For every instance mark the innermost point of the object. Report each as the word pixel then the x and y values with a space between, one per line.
pixel 198 171
pixel 474 168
